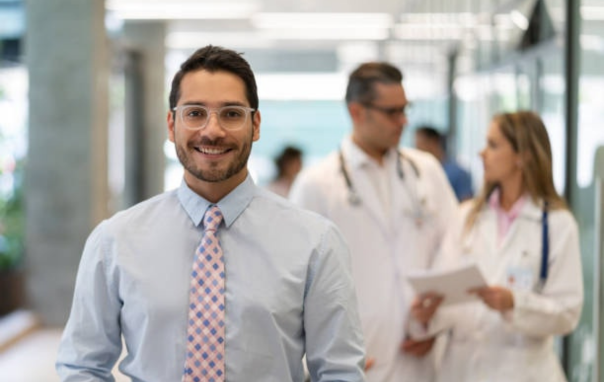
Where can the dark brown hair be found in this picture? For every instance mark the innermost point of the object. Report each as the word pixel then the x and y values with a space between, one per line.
pixel 213 59
pixel 361 81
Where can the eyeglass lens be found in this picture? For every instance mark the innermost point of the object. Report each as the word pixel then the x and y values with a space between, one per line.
pixel 229 117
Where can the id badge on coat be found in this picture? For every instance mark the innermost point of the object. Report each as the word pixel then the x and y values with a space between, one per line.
pixel 519 278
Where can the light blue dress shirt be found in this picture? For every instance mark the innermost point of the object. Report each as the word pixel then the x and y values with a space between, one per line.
pixel 289 290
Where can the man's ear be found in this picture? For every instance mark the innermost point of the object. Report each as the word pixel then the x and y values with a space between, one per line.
pixel 355 110
pixel 170 122
pixel 256 126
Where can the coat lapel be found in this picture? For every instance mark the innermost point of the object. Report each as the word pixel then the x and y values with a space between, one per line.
pixel 530 212
pixel 487 231
pixel 489 234
pixel 370 200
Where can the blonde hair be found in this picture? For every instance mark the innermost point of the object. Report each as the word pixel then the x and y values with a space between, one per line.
pixel 528 136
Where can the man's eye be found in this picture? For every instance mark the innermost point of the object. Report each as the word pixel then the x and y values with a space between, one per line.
pixel 196 113
pixel 395 111
pixel 232 113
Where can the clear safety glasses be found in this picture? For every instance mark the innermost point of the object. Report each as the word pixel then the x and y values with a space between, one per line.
pixel 196 117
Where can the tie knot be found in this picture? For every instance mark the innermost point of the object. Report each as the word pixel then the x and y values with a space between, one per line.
pixel 212 218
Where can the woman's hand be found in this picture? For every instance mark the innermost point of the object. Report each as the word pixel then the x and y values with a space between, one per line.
pixel 424 307
pixel 495 297
pixel 369 362
pixel 417 348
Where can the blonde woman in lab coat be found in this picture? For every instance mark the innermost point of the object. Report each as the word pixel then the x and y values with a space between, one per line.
pixel 507 334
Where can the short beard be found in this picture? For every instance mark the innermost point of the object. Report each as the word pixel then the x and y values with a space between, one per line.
pixel 214 175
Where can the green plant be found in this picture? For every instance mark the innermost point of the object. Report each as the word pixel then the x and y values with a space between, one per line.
pixel 12 221
pixel 12 210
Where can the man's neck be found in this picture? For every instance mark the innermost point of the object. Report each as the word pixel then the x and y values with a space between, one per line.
pixel 215 191
pixel 440 155
pixel 377 155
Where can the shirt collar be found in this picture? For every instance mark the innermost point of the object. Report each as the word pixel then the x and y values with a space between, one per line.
pixel 494 202
pixel 231 206
pixel 357 158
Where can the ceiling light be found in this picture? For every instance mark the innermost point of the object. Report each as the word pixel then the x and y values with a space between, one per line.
pixel 428 32
pixel 179 9
pixel 592 13
pixel 463 18
pixel 330 34
pixel 311 20
pixel 323 26
pixel 519 19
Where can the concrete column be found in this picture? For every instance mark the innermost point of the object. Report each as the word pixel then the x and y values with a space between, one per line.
pixel 146 109
pixel 66 172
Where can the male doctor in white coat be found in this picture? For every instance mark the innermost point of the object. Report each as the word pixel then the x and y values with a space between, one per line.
pixel 393 207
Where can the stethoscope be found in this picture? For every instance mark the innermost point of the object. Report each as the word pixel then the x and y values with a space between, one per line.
pixel 544 245
pixel 355 199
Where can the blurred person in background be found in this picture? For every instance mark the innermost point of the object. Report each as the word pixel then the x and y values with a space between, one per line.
pixel 219 279
pixel 524 239
pixel 393 207
pixel 289 164
pixel 428 139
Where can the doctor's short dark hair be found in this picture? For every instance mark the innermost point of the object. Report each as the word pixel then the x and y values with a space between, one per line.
pixel 361 81
pixel 214 59
pixel 287 155
pixel 432 134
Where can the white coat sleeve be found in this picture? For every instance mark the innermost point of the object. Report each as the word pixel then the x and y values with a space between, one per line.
pixel 91 342
pixel 556 309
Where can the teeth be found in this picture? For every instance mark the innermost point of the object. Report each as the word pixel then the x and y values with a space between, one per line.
pixel 211 151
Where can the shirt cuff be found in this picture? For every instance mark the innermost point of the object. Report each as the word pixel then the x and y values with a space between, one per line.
pixel 418 331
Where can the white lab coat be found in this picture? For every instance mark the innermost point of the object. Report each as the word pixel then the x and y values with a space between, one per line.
pixel 384 248
pixel 485 345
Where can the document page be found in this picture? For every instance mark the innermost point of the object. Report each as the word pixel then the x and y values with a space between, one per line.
pixel 452 284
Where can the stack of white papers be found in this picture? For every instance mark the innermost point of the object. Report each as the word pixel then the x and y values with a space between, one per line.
pixel 453 284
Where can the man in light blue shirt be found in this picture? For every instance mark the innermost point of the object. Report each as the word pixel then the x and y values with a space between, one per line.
pixel 289 289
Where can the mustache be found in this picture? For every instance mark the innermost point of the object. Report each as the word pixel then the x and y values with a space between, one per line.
pixel 205 141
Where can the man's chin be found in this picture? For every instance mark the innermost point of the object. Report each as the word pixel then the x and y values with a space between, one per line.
pixel 212 176
pixel 217 175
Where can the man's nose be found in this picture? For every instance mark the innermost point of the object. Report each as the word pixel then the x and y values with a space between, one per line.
pixel 402 118
pixel 213 127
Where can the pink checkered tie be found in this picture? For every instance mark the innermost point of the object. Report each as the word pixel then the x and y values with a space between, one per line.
pixel 205 334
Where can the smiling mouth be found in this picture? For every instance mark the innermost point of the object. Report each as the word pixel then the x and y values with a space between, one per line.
pixel 212 150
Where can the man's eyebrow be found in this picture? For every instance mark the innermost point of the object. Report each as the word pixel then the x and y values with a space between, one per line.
pixel 224 103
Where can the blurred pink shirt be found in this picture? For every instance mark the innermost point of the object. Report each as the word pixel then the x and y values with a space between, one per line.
pixel 505 218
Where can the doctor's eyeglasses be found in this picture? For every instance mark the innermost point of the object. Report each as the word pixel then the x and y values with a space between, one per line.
pixel 196 117
pixel 390 112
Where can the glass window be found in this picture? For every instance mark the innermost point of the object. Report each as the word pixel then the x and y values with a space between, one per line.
pixel 585 358
pixel 552 93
